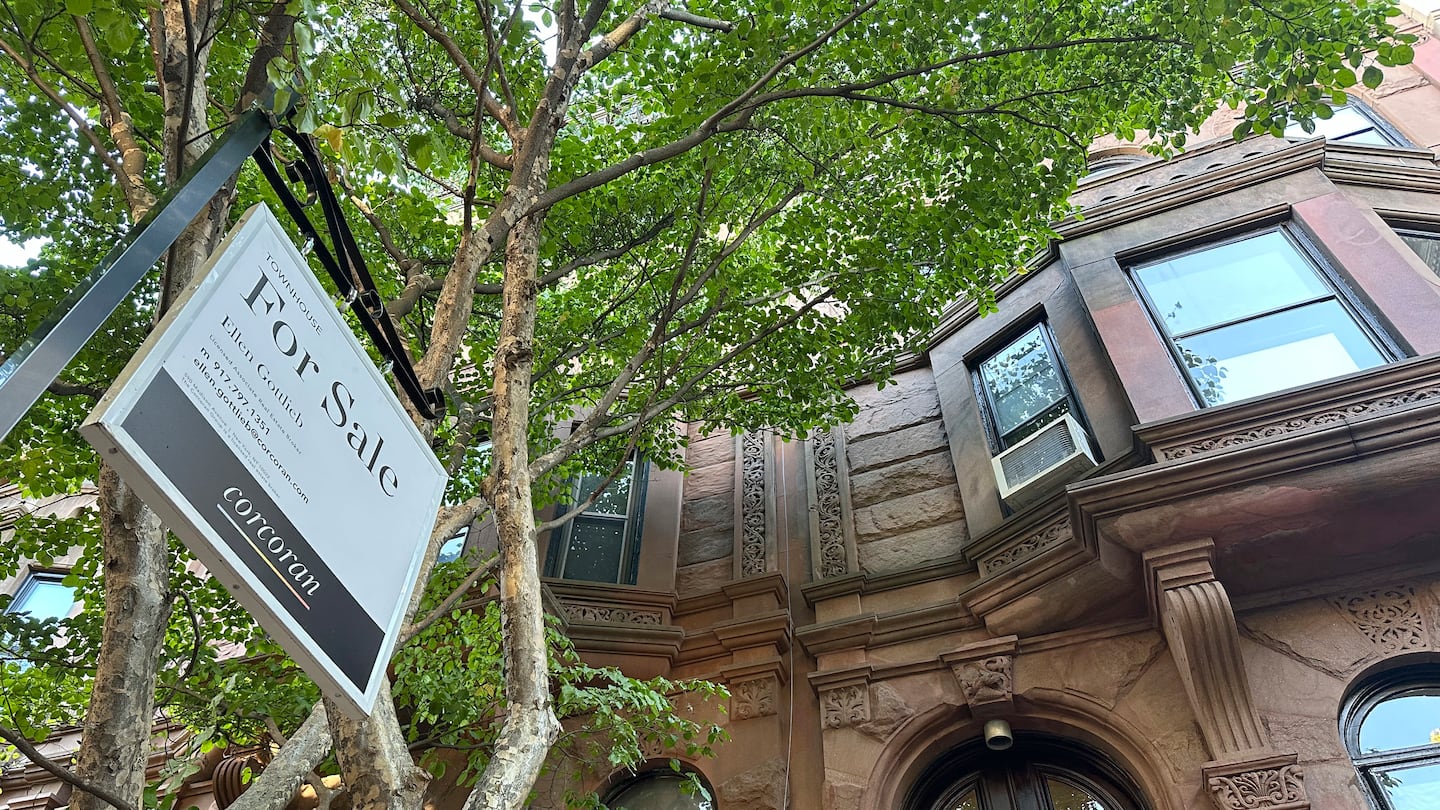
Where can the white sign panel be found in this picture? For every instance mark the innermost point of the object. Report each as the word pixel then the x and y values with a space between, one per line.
pixel 256 426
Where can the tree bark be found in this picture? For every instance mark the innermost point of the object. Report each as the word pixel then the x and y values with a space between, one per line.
pixel 301 754
pixel 374 759
pixel 530 726
pixel 116 739
pixel 120 722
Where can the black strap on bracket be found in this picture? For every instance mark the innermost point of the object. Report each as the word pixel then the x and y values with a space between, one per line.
pixel 35 363
pixel 345 264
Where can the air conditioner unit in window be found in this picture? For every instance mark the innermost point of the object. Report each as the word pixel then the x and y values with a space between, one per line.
pixel 1055 454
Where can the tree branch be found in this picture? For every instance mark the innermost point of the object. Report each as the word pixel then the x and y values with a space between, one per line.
pixel 64 774
pixel 446 606
pixel 683 16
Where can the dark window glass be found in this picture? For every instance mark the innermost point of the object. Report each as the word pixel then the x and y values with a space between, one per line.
pixel 660 791
pixel 1391 725
pixel 1350 123
pixel 603 543
pixel 1023 388
pixel 1039 773
pixel 1254 316
pixel 1425 245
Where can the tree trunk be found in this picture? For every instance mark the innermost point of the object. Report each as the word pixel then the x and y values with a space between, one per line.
pixel 121 718
pixel 118 725
pixel 374 759
pixel 530 726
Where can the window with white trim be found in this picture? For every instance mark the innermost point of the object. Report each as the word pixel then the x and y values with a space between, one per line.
pixel 43 595
pixel 1022 387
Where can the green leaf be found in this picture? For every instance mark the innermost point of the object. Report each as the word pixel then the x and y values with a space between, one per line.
pixel 79 8
pixel 1372 77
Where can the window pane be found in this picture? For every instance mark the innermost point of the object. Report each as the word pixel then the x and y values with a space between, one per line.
pixel 1427 247
pixel 1022 380
pixel 44 598
pixel 1295 347
pixel 659 793
pixel 1065 796
pixel 967 802
pixel 615 500
pixel 595 547
pixel 1415 788
pixel 1371 136
pixel 450 552
pixel 1232 281
pixel 1402 722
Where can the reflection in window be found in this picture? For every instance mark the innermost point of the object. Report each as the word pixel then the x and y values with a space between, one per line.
pixel 1065 796
pixel 1350 123
pixel 1425 245
pixel 1254 316
pixel 1023 388
pixel 1392 728
pixel 603 543
pixel 43 596
pixel 450 552
pixel 660 790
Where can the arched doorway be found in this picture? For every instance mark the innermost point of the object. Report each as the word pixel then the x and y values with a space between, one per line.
pixel 1039 773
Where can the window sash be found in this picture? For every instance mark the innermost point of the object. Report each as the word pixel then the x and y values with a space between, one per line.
pixel 1364 346
pixel 1053 401
pixel 562 564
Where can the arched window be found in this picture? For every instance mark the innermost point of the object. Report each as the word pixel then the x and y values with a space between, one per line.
pixel 1391 726
pixel 661 790
pixel 1038 773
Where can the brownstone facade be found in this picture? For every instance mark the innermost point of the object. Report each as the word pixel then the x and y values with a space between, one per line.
pixel 1192 615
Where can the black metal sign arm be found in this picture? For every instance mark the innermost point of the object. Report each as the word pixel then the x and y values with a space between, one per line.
pixel 30 369
pixel 347 268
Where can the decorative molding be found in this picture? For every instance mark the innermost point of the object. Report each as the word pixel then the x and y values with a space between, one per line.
pixel 845 705
pixel 753 698
pixel 1369 407
pixel 1389 617
pixel 985 672
pixel 753 541
pixel 987 682
pixel 1052 534
pixel 1273 783
pixel 611 615
pixel 1199 623
pixel 835 559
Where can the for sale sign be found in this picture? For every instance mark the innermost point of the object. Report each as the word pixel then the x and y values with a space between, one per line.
pixel 256 426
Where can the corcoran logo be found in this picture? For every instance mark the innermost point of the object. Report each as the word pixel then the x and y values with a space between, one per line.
pixel 241 512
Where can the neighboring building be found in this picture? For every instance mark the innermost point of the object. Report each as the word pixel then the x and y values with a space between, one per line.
pixel 1172 514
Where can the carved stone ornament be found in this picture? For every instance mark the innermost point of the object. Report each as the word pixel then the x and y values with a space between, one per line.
pixel 1389 617
pixel 1052 534
pixel 1364 408
pixel 845 706
pixel 752 505
pixel 987 682
pixel 612 615
pixel 752 698
pixel 834 562
pixel 1280 788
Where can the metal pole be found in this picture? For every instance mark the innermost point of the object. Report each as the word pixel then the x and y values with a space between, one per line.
pixel 30 369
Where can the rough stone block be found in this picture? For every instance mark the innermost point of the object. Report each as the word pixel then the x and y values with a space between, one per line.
pixel 890 448
pixel 703 513
pixel 908 513
pixel 706 545
pixel 716 448
pixel 894 408
pixel 905 478
pixel 702 577
pixel 715 479
pixel 912 548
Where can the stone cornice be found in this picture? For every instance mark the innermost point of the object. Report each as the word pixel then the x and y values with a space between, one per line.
pixel 864 583
pixel 1300 440
pixel 879 629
